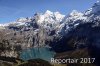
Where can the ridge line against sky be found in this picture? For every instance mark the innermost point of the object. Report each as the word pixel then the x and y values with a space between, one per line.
pixel 10 10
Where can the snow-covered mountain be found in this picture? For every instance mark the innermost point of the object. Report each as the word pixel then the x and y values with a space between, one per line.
pixel 95 9
pixel 93 13
pixel 55 20
pixel 50 17
pixel 51 28
pixel 52 24
pixel 49 20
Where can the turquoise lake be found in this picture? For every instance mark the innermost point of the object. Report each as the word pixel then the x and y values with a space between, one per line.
pixel 34 53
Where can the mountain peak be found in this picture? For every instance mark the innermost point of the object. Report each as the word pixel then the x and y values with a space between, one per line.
pixel 50 17
pixel 76 13
pixel 48 12
pixel 22 19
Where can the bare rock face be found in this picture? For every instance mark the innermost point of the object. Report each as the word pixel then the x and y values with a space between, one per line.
pixel 15 38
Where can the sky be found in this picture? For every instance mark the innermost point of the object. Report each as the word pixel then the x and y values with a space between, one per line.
pixel 10 10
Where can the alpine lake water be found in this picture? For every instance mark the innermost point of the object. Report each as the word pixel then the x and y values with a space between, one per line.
pixel 37 52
